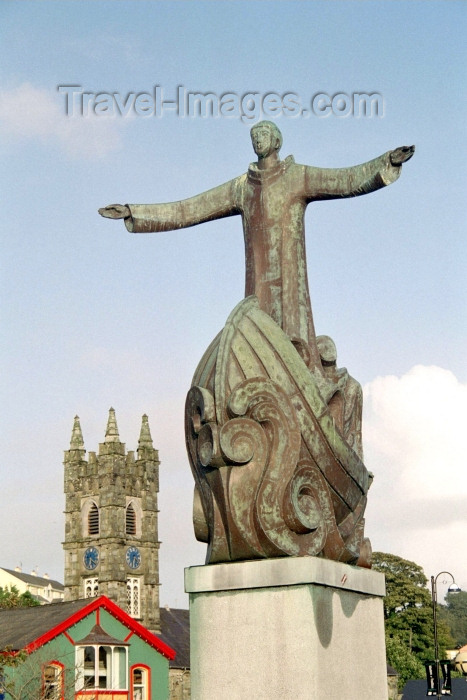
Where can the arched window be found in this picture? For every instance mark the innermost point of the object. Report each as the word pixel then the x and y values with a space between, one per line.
pixel 140 683
pixel 130 520
pixel 53 681
pixel 133 597
pixel 93 520
pixel 90 516
pixel 133 517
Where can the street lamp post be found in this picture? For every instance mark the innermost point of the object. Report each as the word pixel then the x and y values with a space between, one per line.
pixel 453 588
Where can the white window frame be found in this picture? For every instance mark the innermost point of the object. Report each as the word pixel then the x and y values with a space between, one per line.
pixel 111 672
pixel 91 586
pixel 53 688
pixel 133 596
pixel 140 691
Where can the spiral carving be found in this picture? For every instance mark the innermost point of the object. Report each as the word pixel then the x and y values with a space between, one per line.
pixel 263 451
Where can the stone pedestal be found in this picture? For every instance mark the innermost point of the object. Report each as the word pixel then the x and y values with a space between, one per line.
pixel 286 629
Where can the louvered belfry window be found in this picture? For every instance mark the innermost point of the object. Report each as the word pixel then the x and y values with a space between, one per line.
pixel 93 520
pixel 130 525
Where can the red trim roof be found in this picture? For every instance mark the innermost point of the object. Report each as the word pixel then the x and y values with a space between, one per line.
pixel 106 604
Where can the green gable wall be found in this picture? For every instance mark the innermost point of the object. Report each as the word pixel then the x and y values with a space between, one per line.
pixel 26 679
pixel 61 649
pixel 140 652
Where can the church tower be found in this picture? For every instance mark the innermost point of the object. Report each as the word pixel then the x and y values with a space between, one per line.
pixel 111 534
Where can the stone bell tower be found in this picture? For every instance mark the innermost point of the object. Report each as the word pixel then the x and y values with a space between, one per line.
pixel 111 534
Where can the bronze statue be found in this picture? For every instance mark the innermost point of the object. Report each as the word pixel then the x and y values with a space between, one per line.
pixel 273 428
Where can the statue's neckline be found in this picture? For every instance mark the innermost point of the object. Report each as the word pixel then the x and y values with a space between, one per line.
pixel 257 175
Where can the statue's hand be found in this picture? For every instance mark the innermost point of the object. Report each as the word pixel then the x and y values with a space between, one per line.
pixel 115 211
pixel 402 154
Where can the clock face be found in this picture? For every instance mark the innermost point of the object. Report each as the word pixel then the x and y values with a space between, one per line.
pixel 133 557
pixel 91 558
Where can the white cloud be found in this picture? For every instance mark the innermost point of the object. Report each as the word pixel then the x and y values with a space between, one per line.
pixel 414 443
pixel 416 424
pixel 28 112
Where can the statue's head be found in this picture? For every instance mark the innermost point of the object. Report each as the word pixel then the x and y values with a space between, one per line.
pixel 327 350
pixel 266 138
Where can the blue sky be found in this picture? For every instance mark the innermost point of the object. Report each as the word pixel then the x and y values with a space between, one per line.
pixel 94 317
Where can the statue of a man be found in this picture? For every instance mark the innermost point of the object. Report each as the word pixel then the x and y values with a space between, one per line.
pixel 271 199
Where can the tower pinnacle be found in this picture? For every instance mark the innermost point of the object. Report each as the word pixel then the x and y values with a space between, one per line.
pixel 76 442
pixel 111 433
pixel 145 439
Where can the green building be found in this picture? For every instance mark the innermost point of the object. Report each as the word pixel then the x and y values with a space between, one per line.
pixel 82 650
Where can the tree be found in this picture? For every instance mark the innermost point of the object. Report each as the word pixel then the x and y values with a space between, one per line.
pixel 406 663
pixel 10 659
pixel 35 676
pixel 12 598
pixel 408 616
pixel 454 613
pixel 405 583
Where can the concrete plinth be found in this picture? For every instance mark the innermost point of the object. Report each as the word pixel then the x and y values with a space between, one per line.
pixel 286 629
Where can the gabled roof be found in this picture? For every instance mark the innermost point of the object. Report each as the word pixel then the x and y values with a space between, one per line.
pixel 38 581
pixel 30 628
pixel 20 627
pixel 175 631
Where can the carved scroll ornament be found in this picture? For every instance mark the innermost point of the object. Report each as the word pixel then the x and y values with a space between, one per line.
pixel 274 475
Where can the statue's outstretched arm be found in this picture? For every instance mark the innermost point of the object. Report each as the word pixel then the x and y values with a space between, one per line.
pixel 332 183
pixel 217 203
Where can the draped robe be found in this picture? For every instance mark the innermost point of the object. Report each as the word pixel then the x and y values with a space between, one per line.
pixel 272 204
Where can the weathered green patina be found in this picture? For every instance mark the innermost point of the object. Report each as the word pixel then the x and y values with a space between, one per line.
pixel 267 394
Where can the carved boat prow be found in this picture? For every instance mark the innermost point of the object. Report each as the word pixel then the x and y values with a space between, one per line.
pixel 274 474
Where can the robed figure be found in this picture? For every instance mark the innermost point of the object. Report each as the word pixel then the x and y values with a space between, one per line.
pixel 273 427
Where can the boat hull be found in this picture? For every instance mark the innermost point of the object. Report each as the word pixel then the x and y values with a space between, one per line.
pixel 274 475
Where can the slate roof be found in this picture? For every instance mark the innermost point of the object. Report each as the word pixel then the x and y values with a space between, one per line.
pixel 175 626
pixel 416 690
pixel 21 626
pixel 99 636
pixel 35 580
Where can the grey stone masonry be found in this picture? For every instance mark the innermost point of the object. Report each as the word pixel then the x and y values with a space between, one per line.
pixel 111 522
pixel 291 628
